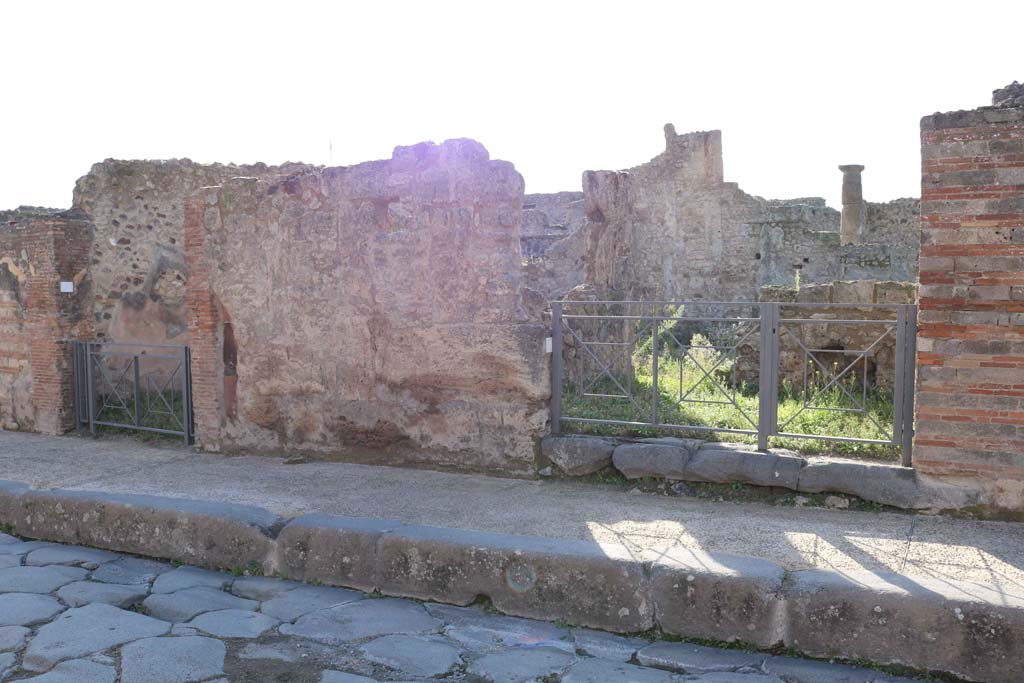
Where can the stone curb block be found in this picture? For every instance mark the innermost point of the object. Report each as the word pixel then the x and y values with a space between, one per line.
pixel 10 500
pixel 578 455
pixel 209 534
pixel 942 625
pixel 718 596
pixel 676 459
pixel 340 551
pixel 600 586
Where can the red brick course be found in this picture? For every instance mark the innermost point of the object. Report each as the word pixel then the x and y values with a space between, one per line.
pixel 970 405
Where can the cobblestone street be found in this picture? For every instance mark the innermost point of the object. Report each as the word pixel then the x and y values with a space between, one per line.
pixel 79 615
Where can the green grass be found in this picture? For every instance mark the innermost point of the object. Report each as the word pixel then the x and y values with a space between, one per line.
pixel 156 417
pixel 677 377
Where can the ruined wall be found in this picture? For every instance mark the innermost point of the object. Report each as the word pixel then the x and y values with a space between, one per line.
pixel 970 400
pixel 880 370
pixel 138 258
pixel 378 306
pixel 39 250
pixel 673 229
pixel 548 218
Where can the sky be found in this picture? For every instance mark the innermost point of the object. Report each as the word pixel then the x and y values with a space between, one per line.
pixel 554 87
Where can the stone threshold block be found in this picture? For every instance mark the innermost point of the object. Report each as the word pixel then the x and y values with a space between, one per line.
pixel 712 462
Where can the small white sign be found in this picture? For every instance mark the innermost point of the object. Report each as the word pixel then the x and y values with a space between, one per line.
pixel 547 345
pixel 67 287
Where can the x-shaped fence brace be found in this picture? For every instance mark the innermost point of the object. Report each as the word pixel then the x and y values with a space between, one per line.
pixel 860 406
pixel 606 369
pixel 727 353
pixel 152 406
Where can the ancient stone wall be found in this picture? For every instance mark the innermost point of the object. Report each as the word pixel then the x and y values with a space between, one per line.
pixel 138 258
pixel 970 402
pixel 38 251
pixel 548 218
pixel 840 339
pixel 374 311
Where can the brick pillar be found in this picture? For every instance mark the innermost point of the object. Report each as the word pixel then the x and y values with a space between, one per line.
pixel 204 322
pixel 970 400
pixel 58 250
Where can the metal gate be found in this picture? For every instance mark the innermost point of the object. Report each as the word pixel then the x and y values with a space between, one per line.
pixel 145 387
pixel 601 338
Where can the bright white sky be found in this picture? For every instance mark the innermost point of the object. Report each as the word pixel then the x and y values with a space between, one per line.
pixel 554 87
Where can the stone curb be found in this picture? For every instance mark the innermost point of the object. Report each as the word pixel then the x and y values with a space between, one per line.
pixel 220 535
pixel 694 460
pixel 967 629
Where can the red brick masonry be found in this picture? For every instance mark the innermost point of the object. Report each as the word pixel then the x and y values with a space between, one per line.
pixel 970 404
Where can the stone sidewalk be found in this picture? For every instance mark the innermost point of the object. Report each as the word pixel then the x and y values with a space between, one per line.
pixel 989 553
pixel 70 614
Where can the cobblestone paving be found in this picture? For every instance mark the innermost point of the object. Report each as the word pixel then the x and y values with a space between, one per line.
pixel 79 615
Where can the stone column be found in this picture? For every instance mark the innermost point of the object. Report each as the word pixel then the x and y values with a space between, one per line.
pixel 854 211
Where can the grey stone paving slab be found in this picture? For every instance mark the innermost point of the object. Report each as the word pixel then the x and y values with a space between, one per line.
pixel 38 579
pixel 12 637
pixel 811 671
pixel 191 602
pixel 78 671
pixel 262 587
pixel 172 660
pixel 413 655
pixel 476 629
pixel 184 630
pixel 7 538
pixel 234 623
pixel 294 603
pixel 22 547
pixel 731 677
pixel 84 630
pixel 130 570
pixel 7 661
pixel 342 677
pixel 592 670
pixel 689 658
pixel 521 664
pixel 363 619
pixel 25 609
pixel 606 645
pixel 119 595
pixel 10 561
pixel 89 558
pixel 190 577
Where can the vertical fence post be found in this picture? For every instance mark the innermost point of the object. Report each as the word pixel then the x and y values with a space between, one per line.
pixel 90 381
pixel 184 394
pixel 137 393
pixel 556 368
pixel 898 383
pixel 908 378
pixel 187 399
pixel 654 369
pixel 764 398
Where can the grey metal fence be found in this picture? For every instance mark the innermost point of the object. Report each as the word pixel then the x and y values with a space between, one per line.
pixel 753 369
pixel 145 387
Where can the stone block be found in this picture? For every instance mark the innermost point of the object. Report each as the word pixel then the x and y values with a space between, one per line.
pixel 578 455
pixel 966 629
pixel 717 596
pixel 340 551
pixel 10 500
pixel 599 586
pixel 659 459
pixel 887 484
pixel 721 463
pixel 223 535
